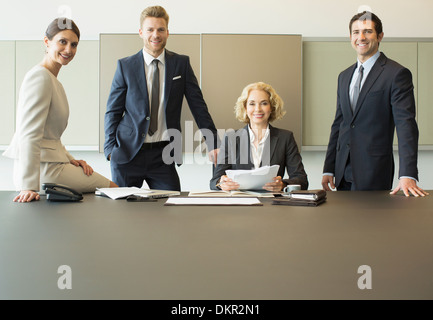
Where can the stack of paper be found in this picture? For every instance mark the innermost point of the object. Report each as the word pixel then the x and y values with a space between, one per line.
pixel 213 202
pixel 124 192
pixel 119 193
pixel 253 179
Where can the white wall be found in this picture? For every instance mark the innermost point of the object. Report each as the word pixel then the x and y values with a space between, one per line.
pixel 27 20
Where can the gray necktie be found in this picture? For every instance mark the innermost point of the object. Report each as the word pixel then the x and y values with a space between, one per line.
pixel 154 105
pixel 357 88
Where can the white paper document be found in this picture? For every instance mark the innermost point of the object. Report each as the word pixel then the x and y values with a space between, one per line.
pixel 118 193
pixel 253 179
pixel 213 202
pixel 123 192
pixel 232 193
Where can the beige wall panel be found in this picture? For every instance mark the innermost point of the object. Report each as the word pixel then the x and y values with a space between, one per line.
pixel 28 54
pixel 117 46
pixel 322 63
pixel 80 80
pixel 425 93
pixel 230 62
pixel 405 53
pixel 7 91
pixel 112 47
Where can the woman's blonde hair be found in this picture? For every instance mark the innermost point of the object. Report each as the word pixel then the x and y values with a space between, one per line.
pixel 277 103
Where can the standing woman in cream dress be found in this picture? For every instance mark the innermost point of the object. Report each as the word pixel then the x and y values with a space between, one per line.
pixel 42 117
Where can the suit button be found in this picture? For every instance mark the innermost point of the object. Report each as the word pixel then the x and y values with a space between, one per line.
pixel 352 126
pixel 148 118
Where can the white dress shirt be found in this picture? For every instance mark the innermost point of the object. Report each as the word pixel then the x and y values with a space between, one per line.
pixel 160 134
pixel 368 65
pixel 257 153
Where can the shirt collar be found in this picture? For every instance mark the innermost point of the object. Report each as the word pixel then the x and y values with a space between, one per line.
pixel 370 62
pixel 148 58
pixel 253 137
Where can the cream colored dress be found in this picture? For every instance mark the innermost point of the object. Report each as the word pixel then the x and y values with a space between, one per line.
pixel 42 117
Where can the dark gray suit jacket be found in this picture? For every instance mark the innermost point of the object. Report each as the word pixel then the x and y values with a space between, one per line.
pixel 280 148
pixel 386 102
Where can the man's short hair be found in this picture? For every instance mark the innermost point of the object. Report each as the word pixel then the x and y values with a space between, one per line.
pixel 154 12
pixel 367 15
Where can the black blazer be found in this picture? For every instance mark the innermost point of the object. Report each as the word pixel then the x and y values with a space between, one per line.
pixel 128 111
pixel 282 150
pixel 386 102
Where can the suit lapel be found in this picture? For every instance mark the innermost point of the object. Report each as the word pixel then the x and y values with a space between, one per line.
pixel 169 74
pixel 138 64
pixel 245 136
pixel 269 147
pixel 371 79
pixel 347 78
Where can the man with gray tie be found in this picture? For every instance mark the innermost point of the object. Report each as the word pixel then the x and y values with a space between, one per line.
pixel 145 104
pixel 375 97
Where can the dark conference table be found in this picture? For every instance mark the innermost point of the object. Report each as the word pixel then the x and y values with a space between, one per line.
pixel 137 250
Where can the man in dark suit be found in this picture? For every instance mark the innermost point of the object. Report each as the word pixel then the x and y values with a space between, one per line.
pixel 144 108
pixel 374 97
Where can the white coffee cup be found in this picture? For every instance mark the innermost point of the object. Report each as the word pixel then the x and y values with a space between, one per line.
pixel 291 187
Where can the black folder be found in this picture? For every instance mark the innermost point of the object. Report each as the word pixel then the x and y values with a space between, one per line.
pixel 310 198
pixel 297 202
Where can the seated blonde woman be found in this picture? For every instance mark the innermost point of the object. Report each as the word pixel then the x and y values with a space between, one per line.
pixel 258 143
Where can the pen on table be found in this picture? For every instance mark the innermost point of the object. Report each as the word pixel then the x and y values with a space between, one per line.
pixel 140 199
